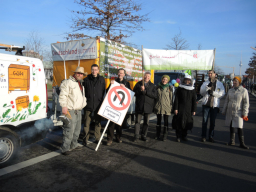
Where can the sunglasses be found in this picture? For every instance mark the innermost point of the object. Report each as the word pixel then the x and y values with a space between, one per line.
pixel 80 73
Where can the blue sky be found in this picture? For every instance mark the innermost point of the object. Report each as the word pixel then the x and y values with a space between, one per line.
pixel 227 25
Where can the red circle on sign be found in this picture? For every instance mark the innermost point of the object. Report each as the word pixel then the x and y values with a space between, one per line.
pixel 124 105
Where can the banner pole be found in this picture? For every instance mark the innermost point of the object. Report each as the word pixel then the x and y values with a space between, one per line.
pixel 213 59
pixel 102 136
pixel 142 65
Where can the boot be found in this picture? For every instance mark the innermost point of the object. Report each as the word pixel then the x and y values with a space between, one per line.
pixel 242 145
pixel 158 132
pixel 165 133
pixel 232 139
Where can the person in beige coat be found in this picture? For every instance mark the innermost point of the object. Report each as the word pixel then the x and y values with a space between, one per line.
pixel 72 100
pixel 236 109
pixel 163 106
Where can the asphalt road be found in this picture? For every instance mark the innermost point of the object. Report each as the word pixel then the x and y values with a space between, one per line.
pixel 143 166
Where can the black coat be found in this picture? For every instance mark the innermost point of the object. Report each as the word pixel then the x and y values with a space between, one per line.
pixel 94 92
pixel 145 101
pixel 185 103
pixel 126 83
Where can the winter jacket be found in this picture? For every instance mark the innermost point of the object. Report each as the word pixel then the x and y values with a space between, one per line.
pixel 94 92
pixel 145 101
pixel 185 103
pixel 164 101
pixel 71 95
pixel 218 93
pixel 126 83
pixel 236 105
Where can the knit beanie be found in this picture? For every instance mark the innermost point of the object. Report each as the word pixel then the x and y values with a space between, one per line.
pixel 238 78
pixel 166 76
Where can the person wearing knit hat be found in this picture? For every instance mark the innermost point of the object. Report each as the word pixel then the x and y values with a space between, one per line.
pixel 163 106
pixel 166 76
pixel 238 79
pixel 236 109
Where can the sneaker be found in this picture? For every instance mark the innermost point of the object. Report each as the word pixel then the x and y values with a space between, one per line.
pixel 211 140
pixel 66 153
pixel 119 141
pixel 135 140
pixel 178 140
pixel 203 139
pixel 78 148
pixel 109 142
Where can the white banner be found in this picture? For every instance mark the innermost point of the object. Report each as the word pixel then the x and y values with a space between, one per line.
pixel 74 50
pixel 156 59
pixel 116 103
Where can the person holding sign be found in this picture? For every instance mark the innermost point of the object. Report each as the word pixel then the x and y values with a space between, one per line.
pixel 94 86
pixel 163 105
pixel 72 99
pixel 112 126
pixel 145 101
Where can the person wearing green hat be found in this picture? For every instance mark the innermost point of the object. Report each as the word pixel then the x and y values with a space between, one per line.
pixel 163 105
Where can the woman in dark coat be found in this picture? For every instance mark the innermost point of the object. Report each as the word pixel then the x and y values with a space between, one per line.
pixel 184 107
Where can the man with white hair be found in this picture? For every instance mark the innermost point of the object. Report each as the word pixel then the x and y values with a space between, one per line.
pixel 72 100
pixel 145 101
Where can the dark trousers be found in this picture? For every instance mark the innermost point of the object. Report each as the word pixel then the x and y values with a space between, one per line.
pixel 158 125
pixel 112 126
pixel 181 133
pixel 212 112
pixel 144 130
pixel 88 117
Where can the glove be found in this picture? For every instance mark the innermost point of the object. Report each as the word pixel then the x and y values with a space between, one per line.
pixel 210 84
pixel 245 118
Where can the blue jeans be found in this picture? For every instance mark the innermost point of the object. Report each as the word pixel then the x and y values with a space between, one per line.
pixel 212 112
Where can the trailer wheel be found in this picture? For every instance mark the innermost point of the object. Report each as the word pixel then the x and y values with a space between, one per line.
pixel 8 147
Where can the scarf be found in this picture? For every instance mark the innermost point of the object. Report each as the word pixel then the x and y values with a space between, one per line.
pixel 163 86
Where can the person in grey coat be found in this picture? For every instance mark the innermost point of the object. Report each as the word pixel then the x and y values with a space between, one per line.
pixel 236 109
pixel 163 106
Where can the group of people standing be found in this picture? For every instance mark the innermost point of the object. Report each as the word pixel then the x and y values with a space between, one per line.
pixel 161 100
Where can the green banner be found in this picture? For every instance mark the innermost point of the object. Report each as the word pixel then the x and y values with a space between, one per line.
pixel 114 56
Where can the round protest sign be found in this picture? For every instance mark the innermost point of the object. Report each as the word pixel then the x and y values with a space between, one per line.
pixel 120 94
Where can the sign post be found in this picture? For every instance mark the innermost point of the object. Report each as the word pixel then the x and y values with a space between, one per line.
pixel 115 106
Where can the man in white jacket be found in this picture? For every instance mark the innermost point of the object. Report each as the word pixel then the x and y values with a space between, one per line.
pixel 212 90
pixel 72 99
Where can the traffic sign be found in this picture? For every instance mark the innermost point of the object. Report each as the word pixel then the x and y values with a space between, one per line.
pixel 116 103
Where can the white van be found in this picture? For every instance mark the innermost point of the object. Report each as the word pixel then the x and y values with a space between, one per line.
pixel 23 99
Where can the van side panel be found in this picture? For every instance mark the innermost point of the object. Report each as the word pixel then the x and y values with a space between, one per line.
pixel 22 90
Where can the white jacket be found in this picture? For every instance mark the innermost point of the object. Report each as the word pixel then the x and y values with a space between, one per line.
pixel 236 105
pixel 71 95
pixel 218 93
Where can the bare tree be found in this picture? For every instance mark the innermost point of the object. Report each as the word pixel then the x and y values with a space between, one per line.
pixel 218 70
pixel 199 46
pixel 35 47
pixel 178 43
pixel 112 19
